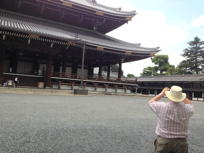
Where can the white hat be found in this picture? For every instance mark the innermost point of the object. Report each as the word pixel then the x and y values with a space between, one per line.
pixel 175 94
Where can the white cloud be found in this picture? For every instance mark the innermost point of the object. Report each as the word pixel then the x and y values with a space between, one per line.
pixel 151 29
pixel 198 22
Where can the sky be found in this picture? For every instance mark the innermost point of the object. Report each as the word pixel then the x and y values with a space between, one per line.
pixel 168 24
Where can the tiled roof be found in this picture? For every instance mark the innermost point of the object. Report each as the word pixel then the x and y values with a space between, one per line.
pixel 32 25
pixel 174 78
pixel 92 4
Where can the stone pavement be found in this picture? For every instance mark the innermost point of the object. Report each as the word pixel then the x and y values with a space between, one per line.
pixel 83 124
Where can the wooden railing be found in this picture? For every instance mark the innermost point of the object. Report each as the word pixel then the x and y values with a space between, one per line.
pixel 93 77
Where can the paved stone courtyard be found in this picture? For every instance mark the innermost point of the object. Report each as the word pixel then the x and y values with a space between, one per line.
pixel 83 124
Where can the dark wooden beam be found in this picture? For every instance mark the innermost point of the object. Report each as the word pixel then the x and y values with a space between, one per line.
pixel 74 70
pixel 1 65
pixel 81 19
pixel 48 71
pixel 62 15
pixel 120 70
pixel 100 71
pixel 42 9
pixel 19 4
pixel 108 72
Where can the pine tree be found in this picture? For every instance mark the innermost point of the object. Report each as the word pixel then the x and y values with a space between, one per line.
pixel 194 57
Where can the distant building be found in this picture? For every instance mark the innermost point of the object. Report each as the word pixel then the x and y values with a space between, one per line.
pixel 193 85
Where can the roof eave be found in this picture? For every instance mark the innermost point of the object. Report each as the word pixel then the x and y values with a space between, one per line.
pixel 118 11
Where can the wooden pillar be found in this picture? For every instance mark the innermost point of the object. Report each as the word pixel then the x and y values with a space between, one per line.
pixel 48 72
pixel 82 65
pixel 189 95
pixel 120 70
pixel 106 88
pixel 95 86
pixel 90 72
pixel 108 72
pixel 57 66
pixel 35 65
pixel 72 85
pixel 125 89
pixel 1 66
pixel 100 72
pixel 63 68
pixel 192 85
pixel 193 95
pixel 83 61
pixel 116 88
pixel 60 69
pixel 74 70
pixel 13 63
pixel 203 96
pixel 59 85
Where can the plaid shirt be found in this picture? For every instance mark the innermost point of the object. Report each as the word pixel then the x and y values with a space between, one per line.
pixel 172 118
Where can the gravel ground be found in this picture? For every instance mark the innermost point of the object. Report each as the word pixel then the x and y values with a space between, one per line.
pixel 84 124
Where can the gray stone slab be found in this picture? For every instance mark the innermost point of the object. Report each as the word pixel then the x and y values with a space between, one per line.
pixel 80 91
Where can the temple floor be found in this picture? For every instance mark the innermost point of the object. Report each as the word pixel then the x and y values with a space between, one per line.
pixel 84 124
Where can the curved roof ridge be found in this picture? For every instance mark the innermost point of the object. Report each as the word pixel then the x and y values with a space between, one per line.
pixel 94 4
pixel 119 9
pixel 158 48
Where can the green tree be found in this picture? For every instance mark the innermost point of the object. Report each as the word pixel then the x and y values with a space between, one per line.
pixel 162 63
pixel 194 57
pixel 172 70
pixel 183 68
pixel 130 75
pixel 162 67
pixel 150 71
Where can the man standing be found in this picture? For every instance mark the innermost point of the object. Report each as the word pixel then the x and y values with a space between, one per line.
pixel 172 120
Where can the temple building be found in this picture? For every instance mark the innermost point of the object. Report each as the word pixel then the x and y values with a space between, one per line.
pixel 60 42
pixel 193 85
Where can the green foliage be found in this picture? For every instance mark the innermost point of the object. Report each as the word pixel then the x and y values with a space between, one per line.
pixel 162 67
pixel 160 59
pixel 194 58
pixel 171 70
pixel 150 71
pixel 183 68
pixel 130 75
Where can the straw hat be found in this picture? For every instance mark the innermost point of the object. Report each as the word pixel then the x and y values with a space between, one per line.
pixel 175 94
